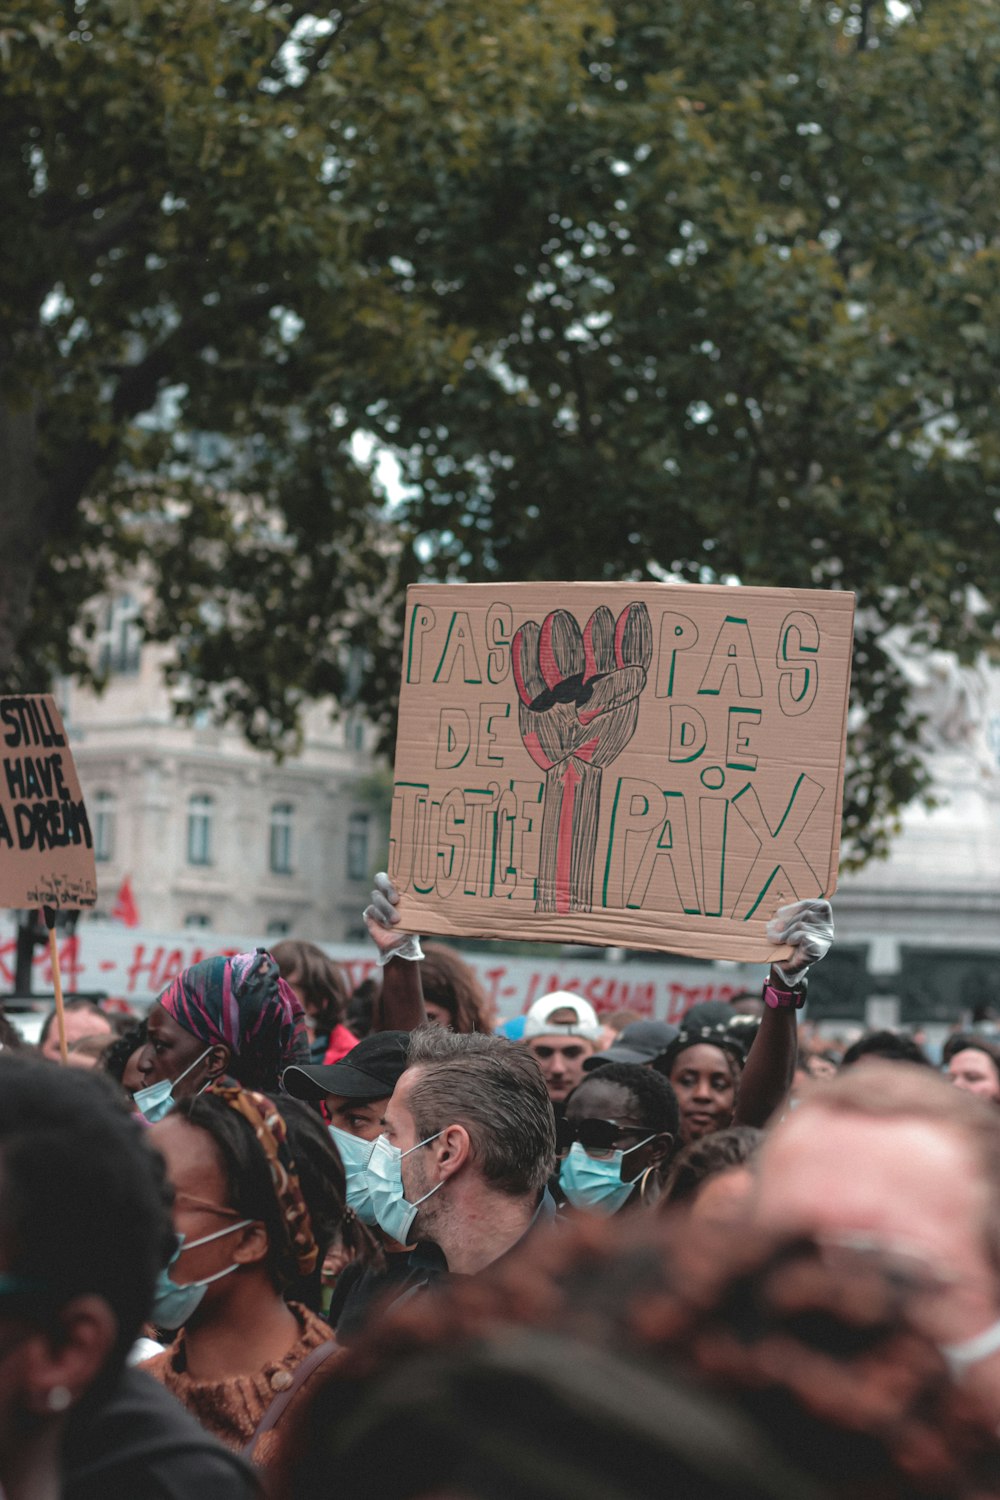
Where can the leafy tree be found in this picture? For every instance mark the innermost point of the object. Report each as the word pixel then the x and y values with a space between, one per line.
pixel 670 287
pixel 737 315
pixel 189 309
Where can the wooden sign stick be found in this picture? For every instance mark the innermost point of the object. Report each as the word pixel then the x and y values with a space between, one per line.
pixel 50 922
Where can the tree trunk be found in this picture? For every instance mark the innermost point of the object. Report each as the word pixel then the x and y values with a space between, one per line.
pixel 22 524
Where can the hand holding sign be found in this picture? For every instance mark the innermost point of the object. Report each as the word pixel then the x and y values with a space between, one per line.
pixel 807 926
pixel 382 921
pixel 579 704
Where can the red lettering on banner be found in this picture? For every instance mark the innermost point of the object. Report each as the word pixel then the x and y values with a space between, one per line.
pixel 682 997
pixel 70 964
pixel 141 965
pixel 492 979
pixel 608 994
pixel 175 963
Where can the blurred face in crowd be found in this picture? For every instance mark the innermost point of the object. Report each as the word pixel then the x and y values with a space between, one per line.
pixel 975 1072
pixel 561 1059
pixel 79 1024
pixel 702 1079
pixel 821 1067
pixel 309 1007
pixel 356 1117
pixel 132 1078
pixel 910 1186
pixel 722 1201
pixel 437 1015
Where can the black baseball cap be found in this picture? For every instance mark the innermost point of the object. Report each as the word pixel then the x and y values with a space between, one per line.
pixel 370 1070
pixel 639 1042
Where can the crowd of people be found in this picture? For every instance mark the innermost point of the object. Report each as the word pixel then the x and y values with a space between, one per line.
pixel 277 1239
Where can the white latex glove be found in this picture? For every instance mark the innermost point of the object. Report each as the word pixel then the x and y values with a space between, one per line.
pixel 381 918
pixel 807 926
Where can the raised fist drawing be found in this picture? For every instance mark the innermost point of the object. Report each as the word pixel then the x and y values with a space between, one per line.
pixel 579 693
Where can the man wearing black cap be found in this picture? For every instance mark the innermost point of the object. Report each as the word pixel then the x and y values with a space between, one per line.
pixel 355 1090
pixel 354 1093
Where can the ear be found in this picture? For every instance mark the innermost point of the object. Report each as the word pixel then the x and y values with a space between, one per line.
pixel 63 1364
pixel 217 1062
pixel 452 1149
pixel 661 1147
pixel 252 1245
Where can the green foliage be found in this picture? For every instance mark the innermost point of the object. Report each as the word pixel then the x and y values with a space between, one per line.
pixel 698 288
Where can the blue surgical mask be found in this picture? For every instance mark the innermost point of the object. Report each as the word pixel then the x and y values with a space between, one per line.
pixel 355 1154
pixel 158 1099
pixel 173 1304
pixel 595 1183
pixel 384 1175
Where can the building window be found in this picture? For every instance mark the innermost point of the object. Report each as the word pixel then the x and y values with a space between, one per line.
pixel 104 827
pixel 200 812
pixel 119 638
pixel 279 929
pixel 282 815
pixel 357 846
pixel 197 919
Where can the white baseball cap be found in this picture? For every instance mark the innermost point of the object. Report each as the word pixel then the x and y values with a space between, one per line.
pixel 538 1023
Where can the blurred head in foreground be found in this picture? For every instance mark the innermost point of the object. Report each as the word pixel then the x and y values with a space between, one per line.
pixel 616 1359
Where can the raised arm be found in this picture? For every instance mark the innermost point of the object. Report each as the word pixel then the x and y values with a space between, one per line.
pixel 770 1066
pixel 400 1006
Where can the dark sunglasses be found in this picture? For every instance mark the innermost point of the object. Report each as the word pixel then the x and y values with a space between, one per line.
pixel 594 1135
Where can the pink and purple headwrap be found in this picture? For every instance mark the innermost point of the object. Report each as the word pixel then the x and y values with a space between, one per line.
pixel 244 1003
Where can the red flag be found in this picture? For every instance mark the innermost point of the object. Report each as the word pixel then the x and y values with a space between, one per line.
pixel 125 910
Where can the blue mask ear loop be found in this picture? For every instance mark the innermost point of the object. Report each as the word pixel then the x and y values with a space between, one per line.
pixel 191 1069
pixel 207 1239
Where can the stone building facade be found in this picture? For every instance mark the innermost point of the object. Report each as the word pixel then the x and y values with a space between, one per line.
pixel 210 832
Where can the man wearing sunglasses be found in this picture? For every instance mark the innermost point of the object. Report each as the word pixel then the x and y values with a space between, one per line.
pixel 616 1138
pixel 561 1032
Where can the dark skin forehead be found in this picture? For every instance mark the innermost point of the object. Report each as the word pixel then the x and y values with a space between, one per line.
pixel 597 1100
pixel 163 1028
pixel 194 1162
pixel 703 1058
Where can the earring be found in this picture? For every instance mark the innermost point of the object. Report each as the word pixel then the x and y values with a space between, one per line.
pixel 59 1398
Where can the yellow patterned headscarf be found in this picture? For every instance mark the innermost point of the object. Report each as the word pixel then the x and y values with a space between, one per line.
pixel 272 1135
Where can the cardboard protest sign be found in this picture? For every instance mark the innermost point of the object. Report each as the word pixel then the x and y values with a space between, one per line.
pixel 46 849
pixel 651 766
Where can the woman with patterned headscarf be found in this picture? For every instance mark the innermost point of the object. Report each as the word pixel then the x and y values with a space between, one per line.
pixel 226 1018
pixel 259 1199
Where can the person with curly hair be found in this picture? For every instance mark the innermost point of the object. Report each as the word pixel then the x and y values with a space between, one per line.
pixel 721 1159
pixel 617 1357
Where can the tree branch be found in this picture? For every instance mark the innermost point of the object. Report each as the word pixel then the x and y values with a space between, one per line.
pixel 136 392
